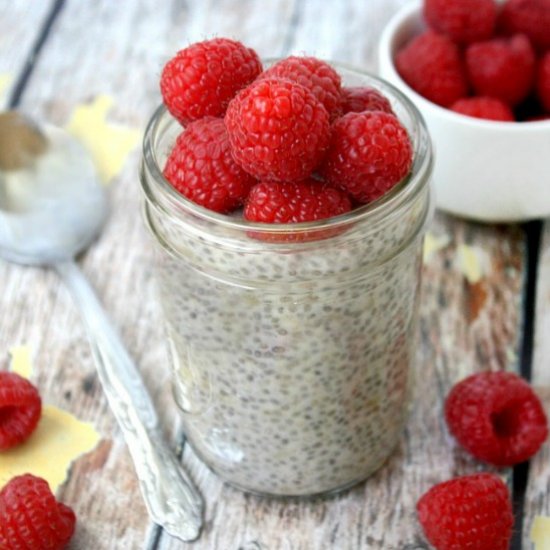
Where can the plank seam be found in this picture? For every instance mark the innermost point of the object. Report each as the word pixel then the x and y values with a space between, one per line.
pixel 154 538
pixel 34 54
pixel 533 231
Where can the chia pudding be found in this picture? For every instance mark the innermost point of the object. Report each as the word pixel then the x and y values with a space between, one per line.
pixel 291 359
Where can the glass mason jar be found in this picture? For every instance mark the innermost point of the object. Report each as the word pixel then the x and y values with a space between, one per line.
pixel 292 345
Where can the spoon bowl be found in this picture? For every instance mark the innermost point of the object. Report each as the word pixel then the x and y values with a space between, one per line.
pixel 53 207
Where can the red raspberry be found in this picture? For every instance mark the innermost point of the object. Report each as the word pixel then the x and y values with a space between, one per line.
pixel 488 108
pixel 432 65
pixel 20 409
pixel 543 81
pixel 471 512
pixel 201 167
pixel 278 130
pixel 369 153
pixel 202 79
pixel 463 21
pixel 362 98
pixel 315 75
pixel 31 518
pixel 295 202
pixel 531 17
pixel 503 68
pixel 497 417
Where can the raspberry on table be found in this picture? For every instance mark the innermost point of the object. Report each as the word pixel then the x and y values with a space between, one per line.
pixel 278 130
pixel 463 21
pixel 31 518
pixel 362 98
pixel 201 79
pixel 20 409
pixel 369 153
pixel 432 65
pixel 202 169
pixel 503 68
pixel 295 202
pixel 488 108
pixel 497 417
pixel 473 512
pixel 315 75
pixel 530 17
pixel 543 81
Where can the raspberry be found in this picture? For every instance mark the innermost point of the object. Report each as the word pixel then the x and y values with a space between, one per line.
pixel 202 79
pixel 488 108
pixel 295 202
pixel 359 99
pixel 531 17
pixel 278 130
pixel 20 409
pixel 369 153
pixel 497 417
pixel 503 68
pixel 431 64
pixel 463 21
pixel 304 201
pixel 471 512
pixel 201 167
pixel 315 75
pixel 543 81
pixel 31 518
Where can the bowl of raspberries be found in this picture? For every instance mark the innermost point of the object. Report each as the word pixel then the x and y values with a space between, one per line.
pixel 479 72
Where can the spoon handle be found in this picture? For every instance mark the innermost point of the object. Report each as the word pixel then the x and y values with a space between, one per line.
pixel 171 497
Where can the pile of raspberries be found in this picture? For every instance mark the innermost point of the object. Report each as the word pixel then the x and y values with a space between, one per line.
pixel 30 516
pixel 289 143
pixel 483 58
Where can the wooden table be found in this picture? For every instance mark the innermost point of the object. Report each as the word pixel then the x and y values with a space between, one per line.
pixel 66 53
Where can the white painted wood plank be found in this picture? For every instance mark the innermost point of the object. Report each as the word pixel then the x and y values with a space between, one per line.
pixel 343 31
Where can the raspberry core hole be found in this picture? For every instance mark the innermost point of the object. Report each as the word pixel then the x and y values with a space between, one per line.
pixel 6 413
pixel 507 422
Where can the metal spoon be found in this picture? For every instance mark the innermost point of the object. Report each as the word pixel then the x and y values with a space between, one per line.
pixel 51 208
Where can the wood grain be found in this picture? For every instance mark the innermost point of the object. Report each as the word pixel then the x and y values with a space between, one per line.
pixel 118 49
pixel 537 499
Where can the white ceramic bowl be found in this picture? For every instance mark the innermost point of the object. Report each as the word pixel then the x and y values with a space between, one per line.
pixel 484 170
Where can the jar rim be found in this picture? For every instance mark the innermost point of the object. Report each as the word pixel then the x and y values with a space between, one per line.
pixel 174 203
